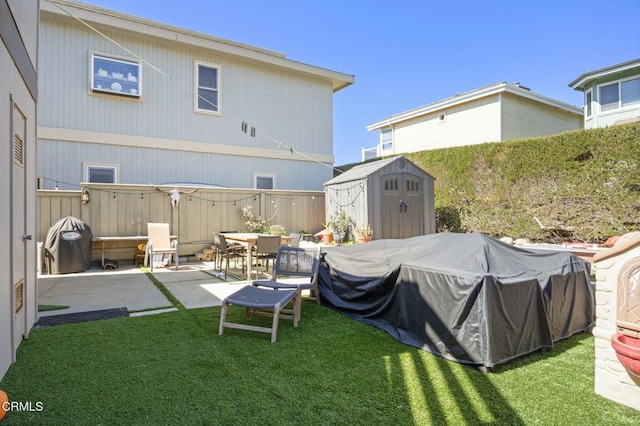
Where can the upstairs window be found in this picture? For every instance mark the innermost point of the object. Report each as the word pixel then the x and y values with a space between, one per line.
pixel 619 94
pixel 116 76
pixel 386 139
pixel 207 82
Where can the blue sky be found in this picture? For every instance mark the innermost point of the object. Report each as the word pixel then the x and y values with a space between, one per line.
pixel 406 54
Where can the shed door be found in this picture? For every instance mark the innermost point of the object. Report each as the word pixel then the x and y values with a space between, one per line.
pixel 402 206
pixel 18 247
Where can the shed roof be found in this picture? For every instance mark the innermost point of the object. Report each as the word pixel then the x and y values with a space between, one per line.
pixel 362 171
pixel 124 22
pixel 483 92
pixel 580 82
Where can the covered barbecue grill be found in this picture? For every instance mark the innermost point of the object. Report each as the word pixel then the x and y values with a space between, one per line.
pixel 67 248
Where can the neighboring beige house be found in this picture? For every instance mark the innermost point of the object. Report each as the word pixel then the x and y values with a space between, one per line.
pixel 18 97
pixel 133 101
pixel 611 94
pixel 495 113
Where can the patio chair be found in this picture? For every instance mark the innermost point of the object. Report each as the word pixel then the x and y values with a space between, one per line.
pixel 224 251
pixel 159 244
pixel 266 249
pixel 296 237
pixel 295 269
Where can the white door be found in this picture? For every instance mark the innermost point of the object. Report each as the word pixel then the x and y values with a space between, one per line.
pixel 18 247
pixel 402 206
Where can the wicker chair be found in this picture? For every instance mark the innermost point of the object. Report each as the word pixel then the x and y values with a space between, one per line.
pixel 266 249
pixel 226 252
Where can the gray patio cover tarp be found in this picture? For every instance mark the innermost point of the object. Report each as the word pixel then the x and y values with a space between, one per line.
pixel 466 297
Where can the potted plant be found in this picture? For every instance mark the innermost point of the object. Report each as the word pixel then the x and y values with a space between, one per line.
pixel 339 223
pixel 254 223
pixel 277 230
pixel 363 233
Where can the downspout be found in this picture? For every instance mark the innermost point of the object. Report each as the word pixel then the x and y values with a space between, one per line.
pixel 500 124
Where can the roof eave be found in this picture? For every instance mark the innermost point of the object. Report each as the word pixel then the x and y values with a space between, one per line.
pixel 471 96
pixel 580 82
pixel 114 19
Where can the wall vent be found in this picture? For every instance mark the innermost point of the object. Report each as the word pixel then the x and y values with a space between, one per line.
pixel 19 295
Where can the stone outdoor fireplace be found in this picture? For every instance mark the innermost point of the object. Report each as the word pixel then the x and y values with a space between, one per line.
pixel 617 329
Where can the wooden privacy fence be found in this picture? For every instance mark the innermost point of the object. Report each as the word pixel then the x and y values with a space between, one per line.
pixel 117 210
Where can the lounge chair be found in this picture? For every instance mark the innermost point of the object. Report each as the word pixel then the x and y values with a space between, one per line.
pixel 160 243
pixel 296 269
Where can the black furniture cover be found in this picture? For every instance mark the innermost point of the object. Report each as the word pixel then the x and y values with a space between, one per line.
pixel 466 297
pixel 68 246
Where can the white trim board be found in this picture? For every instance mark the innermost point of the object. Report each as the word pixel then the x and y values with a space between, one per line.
pixel 58 134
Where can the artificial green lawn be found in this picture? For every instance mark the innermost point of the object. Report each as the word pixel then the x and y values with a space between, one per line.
pixel 173 368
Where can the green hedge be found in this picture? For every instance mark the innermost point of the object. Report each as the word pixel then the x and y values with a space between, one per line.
pixel 581 186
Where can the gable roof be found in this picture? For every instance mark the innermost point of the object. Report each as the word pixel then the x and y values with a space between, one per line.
pixel 472 95
pixel 362 171
pixel 580 82
pixel 120 21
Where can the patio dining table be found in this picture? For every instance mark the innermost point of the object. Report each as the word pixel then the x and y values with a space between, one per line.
pixel 248 240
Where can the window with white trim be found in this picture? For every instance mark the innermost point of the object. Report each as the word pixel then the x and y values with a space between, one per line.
pixel 619 94
pixel 386 138
pixel 588 98
pixel 264 181
pixel 207 88
pixel 101 173
pixel 117 76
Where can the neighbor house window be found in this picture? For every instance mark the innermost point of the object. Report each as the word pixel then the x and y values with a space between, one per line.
pixel 386 138
pixel 588 98
pixel 207 90
pixel 264 181
pixel 101 173
pixel 117 76
pixel 619 94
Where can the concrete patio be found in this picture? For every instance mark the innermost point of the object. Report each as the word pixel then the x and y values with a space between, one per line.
pixel 194 284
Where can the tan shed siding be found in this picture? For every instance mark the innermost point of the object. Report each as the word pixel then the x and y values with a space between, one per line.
pixel 285 106
pixel 522 118
pixel 12 86
pixel 467 124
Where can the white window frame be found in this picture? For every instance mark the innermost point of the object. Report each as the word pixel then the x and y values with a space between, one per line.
pixel 120 76
pixel 588 103
pixel 618 83
pixel 196 87
pixel 114 167
pixel 257 176
pixel 386 146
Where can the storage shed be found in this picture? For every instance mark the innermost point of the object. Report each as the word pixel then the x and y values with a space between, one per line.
pixel 393 195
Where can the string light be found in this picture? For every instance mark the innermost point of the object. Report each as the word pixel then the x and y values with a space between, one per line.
pixel 114 195
pixel 141 197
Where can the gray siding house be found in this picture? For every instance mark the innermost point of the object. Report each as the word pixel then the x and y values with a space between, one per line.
pixel 611 94
pixel 19 94
pixel 495 113
pixel 128 100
